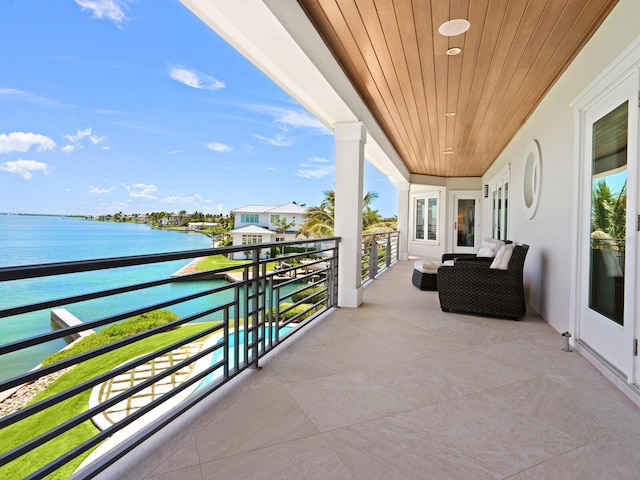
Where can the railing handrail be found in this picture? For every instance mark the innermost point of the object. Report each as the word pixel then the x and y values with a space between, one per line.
pixel 21 272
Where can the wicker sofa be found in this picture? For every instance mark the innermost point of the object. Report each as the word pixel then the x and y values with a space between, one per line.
pixel 474 287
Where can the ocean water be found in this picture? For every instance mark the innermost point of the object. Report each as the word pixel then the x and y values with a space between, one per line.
pixel 30 240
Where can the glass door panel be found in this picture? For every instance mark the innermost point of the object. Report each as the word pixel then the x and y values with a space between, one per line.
pixel 608 214
pixel 465 223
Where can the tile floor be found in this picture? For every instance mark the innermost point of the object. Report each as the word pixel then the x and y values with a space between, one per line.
pixel 398 389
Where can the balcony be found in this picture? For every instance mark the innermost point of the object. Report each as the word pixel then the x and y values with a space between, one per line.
pixel 399 389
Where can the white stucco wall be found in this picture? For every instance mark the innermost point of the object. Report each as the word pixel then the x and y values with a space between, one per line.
pixel 550 233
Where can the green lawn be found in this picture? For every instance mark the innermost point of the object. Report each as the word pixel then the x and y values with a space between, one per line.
pixel 28 428
pixel 219 261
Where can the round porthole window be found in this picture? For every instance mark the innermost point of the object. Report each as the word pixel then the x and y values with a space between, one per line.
pixel 532 174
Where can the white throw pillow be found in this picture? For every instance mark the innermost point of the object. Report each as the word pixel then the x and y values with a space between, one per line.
pixel 501 262
pixel 489 247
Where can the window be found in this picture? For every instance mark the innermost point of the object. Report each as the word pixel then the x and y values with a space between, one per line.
pixel 499 188
pixel 251 239
pixel 274 219
pixel 249 218
pixel 426 218
pixel 279 239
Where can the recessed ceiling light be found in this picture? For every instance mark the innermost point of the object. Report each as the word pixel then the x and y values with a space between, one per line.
pixel 450 114
pixel 454 27
pixel 454 51
pixel 448 151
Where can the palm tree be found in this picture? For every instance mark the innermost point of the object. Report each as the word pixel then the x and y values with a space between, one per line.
pixel 282 225
pixel 608 214
pixel 319 220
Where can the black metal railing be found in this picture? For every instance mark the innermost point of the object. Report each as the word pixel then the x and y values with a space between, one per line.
pixel 379 252
pixel 232 324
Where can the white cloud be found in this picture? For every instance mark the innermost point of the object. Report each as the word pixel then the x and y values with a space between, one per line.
pixel 173 152
pixel 80 134
pixel 31 98
pixel 141 190
pixel 295 118
pixel 279 140
pixel 318 160
pixel 22 142
pixel 96 140
pixel 219 147
pixel 76 140
pixel 220 207
pixel 106 9
pixel 195 79
pixel 25 168
pixel 272 169
pixel 312 171
pixel 98 190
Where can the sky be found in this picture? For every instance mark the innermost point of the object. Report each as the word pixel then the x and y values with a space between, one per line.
pixel 136 106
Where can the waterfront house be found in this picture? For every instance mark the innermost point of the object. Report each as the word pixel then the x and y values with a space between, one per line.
pixel 495 131
pixel 254 224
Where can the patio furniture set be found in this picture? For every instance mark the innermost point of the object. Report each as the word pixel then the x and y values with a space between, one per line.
pixel 487 283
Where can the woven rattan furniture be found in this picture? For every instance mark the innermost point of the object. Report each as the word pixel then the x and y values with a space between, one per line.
pixel 425 274
pixel 474 287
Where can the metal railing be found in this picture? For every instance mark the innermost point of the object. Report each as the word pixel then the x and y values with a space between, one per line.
pixel 379 252
pixel 263 302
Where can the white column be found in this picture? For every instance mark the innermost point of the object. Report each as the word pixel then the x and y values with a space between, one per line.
pixel 403 220
pixel 350 139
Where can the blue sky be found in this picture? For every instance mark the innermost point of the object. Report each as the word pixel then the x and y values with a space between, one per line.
pixel 137 106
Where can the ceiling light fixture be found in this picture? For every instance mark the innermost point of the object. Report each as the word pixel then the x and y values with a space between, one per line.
pixel 454 51
pixel 448 151
pixel 454 27
pixel 450 114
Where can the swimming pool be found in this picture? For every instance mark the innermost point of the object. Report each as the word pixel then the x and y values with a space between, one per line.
pixel 217 355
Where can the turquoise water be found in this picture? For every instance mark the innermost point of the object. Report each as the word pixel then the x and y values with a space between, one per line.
pixel 28 240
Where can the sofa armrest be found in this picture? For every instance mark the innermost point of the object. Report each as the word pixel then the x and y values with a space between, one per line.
pixel 455 256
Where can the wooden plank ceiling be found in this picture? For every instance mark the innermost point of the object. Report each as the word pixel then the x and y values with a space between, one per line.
pixel 512 54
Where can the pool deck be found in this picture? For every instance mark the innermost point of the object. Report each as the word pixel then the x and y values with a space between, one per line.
pixel 398 389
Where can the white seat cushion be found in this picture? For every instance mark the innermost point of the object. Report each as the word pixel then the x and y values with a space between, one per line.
pixel 426 266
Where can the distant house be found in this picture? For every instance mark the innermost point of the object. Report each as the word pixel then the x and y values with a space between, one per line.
pixel 256 224
pixel 200 225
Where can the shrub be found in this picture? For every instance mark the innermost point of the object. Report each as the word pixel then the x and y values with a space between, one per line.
pixel 113 333
pixel 289 314
pixel 308 295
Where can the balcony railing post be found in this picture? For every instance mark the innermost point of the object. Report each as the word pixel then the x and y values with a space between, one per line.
pixel 373 258
pixel 388 252
pixel 252 321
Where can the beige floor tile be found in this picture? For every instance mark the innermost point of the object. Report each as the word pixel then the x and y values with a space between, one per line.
pixel 261 417
pixel 189 473
pixel 184 457
pixel 602 459
pixel 394 448
pixel 492 436
pixel 308 458
pixel 345 399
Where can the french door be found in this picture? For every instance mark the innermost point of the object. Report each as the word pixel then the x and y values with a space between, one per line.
pixel 465 222
pixel 610 152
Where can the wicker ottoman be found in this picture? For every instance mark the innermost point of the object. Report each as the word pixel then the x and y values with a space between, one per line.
pixel 425 274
